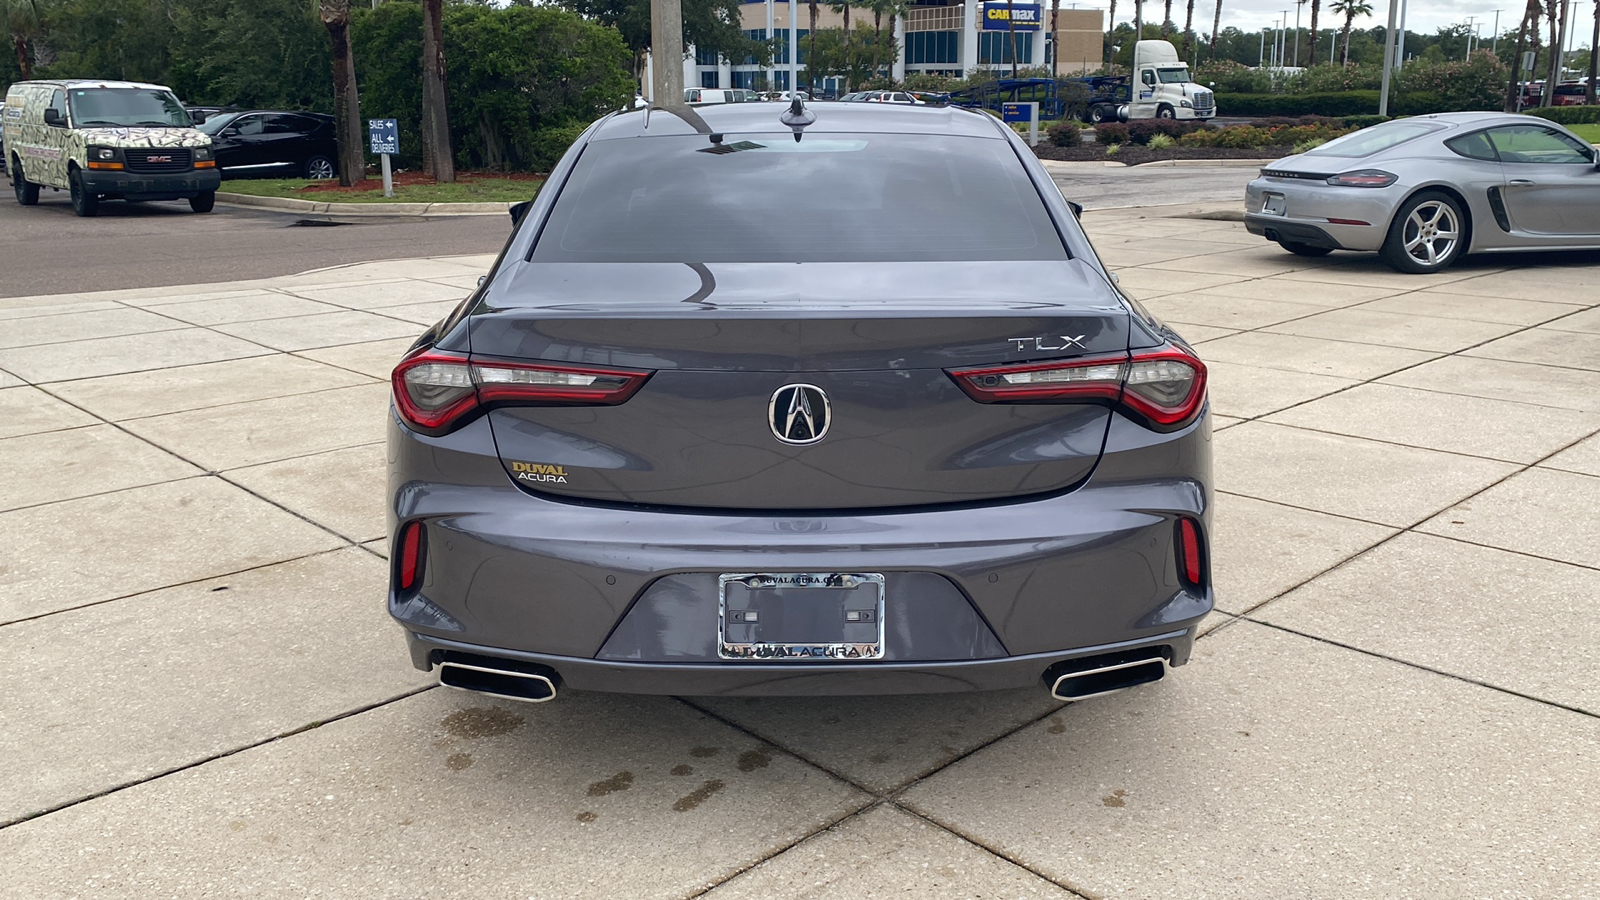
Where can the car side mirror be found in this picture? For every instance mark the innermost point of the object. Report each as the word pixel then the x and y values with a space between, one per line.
pixel 1077 209
pixel 197 116
pixel 52 116
pixel 518 210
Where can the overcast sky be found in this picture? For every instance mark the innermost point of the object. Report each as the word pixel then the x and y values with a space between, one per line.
pixel 1422 16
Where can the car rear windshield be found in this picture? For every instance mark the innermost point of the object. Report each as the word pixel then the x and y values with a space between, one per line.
pixel 829 197
pixel 1368 141
pixel 126 108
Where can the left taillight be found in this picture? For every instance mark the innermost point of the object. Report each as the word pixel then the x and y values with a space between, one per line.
pixel 408 556
pixel 1163 388
pixel 435 391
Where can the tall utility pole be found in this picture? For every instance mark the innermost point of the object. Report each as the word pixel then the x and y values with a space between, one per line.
pixel 1494 42
pixel 1388 58
pixel 666 50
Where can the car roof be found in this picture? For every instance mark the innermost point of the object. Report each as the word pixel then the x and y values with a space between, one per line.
pixel 1466 119
pixel 762 118
pixel 96 83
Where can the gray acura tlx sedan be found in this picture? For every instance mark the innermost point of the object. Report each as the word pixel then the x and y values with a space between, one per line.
pixel 1427 190
pixel 773 400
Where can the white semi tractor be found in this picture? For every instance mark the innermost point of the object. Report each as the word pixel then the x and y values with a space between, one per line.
pixel 1162 87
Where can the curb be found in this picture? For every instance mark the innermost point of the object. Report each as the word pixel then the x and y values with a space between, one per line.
pixel 290 204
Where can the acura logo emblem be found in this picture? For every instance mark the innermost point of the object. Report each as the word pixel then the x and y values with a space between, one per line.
pixel 799 414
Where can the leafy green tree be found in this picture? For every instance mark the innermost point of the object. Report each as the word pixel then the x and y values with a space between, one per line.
pixel 856 62
pixel 252 53
pixel 710 25
pixel 129 40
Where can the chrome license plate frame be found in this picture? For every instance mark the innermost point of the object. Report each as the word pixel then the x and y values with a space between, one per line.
pixel 841 650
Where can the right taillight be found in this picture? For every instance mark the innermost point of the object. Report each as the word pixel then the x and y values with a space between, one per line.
pixel 1164 388
pixel 435 391
pixel 1372 178
pixel 1191 563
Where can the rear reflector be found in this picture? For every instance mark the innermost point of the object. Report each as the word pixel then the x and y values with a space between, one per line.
pixel 409 570
pixel 1189 565
pixel 1164 388
pixel 436 391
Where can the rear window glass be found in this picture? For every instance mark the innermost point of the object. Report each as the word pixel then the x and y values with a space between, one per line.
pixel 766 198
pixel 1368 141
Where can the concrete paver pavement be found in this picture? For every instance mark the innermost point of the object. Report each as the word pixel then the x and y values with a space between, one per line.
pixel 1393 699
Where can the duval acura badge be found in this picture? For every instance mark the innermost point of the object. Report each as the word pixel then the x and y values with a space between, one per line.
pixel 668 448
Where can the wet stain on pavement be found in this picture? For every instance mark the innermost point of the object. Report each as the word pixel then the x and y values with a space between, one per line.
pixel 618 782
pixel 1115 799
pixel 697 796
pixel 586 817
pixel 878 759
pixel 683 769
pixel 458 761
pixel 481 721
pixel 703 752
pixel 1057 726
pixel 751 760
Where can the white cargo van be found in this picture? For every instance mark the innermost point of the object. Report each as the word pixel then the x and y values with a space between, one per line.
pixel 105 139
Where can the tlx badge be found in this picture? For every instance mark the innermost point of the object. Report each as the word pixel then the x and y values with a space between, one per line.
pixel 1049 342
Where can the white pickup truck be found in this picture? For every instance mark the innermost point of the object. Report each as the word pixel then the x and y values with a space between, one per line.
pixel 1162 87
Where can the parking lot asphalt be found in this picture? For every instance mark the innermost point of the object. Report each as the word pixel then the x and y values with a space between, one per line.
pixel 48 250
pixel 1396 698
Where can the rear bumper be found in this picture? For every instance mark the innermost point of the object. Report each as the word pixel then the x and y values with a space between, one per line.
pixel 146 186
pixel 570 585
pixel 1277 228
pixel 810 679
pixel 1311 204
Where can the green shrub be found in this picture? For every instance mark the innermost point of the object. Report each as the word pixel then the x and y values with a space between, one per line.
pixel 1142 130
pixel 1065 134
pixel 1244 137
pixel 1569 115
pixel 1162 141
pixel 1208 138
pixel 1347 103
pixel 1364 121
pixel 1111 133
pixel 1111 149
pixel 1312 144
pixel 549 143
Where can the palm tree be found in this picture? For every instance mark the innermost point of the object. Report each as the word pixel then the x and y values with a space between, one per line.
pixel 811 50
pixel 24 20
pixel 1350 9
pixel 1111 25
pixel 1055 51
pixel 335 15
pixel 1316 7
pixel 1528 28
pixel 844 7
pixel 1216 26
pixel 435 115
pixel 1166 21
pixel 1188 30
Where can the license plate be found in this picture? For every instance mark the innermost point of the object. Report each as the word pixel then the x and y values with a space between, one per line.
pixel 1273 205
pixel 800 616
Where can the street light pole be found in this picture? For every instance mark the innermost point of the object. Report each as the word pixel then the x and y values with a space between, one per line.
pixel 1388 58
pixel 1298 5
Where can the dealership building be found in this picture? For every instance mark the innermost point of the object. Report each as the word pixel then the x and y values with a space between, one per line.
pixel 944 38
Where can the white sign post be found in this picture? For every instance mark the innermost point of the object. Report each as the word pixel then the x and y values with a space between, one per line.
pixel 384 137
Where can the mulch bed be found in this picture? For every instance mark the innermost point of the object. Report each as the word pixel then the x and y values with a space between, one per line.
pixel 1137 154
pixel 407 178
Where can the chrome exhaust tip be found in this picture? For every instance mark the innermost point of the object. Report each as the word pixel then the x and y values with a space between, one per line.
pixel 1104 677
pixel 508 684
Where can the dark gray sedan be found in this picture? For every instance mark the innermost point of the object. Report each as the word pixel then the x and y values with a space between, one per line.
pixel 763 399
pixel 1427 190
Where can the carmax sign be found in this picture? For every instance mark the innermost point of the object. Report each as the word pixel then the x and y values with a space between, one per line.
pixel 1001 16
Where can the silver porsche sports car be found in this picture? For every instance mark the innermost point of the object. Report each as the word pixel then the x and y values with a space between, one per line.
pixel 1427 190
